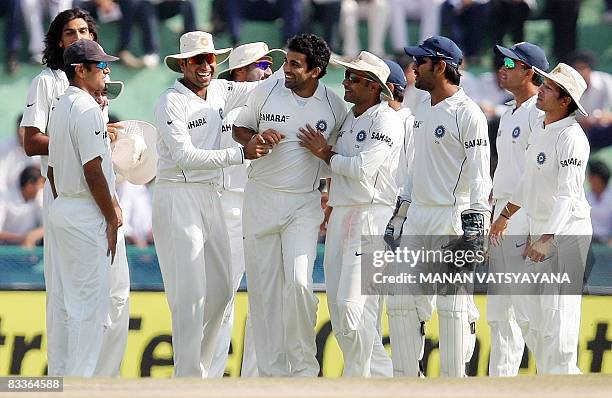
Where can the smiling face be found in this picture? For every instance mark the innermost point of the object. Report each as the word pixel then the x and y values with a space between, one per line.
pixel 297 74
pixel 74 30
pixel 198 71
pixel 357 86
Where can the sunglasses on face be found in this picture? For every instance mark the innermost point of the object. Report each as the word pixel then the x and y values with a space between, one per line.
pixel 199 59
pixel 263 65
pixel 100 65
pixel 509 63
pixel 353 78
pixel 419 60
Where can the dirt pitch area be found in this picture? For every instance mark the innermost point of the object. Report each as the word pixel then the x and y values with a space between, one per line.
pixel 583 386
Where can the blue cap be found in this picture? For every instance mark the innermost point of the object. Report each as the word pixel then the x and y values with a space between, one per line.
pixel 397 75
pixel 438 47
pixel 528 53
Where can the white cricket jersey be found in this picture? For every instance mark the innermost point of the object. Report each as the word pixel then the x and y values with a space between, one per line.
pixel 189 129
pixel 515 128
pixel 289 167
pixel 233 178
pixel 368 151
pixel 451 159
pixel 46 88
pixel 551 189
pixel 407 153
pixel 77 134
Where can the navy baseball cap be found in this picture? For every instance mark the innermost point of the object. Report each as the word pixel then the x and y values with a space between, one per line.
pixel 528 53
pixel 397 75
pixel 438 47
pixel 84 50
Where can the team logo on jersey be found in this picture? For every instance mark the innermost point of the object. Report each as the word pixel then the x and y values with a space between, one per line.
pixel 321 126
pixel 361 136
pixel 226 128
pixel 571 162
pixel 516 132
pixel 417 124
pixel 221 113
pixel 541 158
pixel 196 123
pixel 439 131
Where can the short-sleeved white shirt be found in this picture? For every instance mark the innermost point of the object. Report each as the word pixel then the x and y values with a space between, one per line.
pixel 551 189
pixel 452 151
pixel 77 134
pixel 515 128
pixel 368 151
pixel 44 90
pixel 18 216
pixel 189 131
pixel 289 167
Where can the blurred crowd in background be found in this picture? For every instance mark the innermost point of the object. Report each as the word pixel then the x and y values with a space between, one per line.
pixel 474 24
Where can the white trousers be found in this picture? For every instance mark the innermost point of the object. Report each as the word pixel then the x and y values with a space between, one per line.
pixel 376 12
pixel 280 242
pixel 194 257
pixel 84 270
pixel 231 202
pixel 558 315
pixel 116 333
pixel 409 308
pixel 426 11
pixel 354 316
pixel 33 15
pixel 509 315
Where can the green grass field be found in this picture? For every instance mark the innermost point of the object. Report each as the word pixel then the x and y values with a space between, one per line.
pixel 583 386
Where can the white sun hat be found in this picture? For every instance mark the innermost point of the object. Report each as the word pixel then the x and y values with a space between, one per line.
pixel 194 43
pixel 373 66
pixel 569 80
pixel 134 151
pixel 246 54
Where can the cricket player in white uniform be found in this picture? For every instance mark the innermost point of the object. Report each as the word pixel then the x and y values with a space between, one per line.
pixel 68 27
pixel 85 215
pixel 363 190
pixel 191 238
pixel 509 322
pixel 247 63
pixel 282 208
pixel 551 191
pixel 446 191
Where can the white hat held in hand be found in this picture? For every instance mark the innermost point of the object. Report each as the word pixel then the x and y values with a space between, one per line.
pixel 134 151
pixel 194 43
pixel 246 54
pixel 373 66
pixel 569 80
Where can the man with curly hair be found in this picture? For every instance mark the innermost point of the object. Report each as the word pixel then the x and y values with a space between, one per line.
pixel 282 211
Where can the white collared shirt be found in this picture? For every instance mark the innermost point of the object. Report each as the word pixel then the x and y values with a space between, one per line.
pixel 77 134
pixel 45 88
pixel 289 167
pixel 551 189
pixel 451 159
pixel 368 151
pixel 515 127
pixel 189 129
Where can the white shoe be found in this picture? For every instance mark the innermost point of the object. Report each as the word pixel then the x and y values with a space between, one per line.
pixel 150 60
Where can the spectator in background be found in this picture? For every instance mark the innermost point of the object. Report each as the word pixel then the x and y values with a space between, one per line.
pixel 427 12
pixel 11 10
pixel 467 24
pixel 13 159
pixel 263 10
pixel 597 100
pixel 377 14
pixel 34 12
pixel 508 17
pixel 137 213
pixel 563 15
pixel 600 199
pixel 327 12
pixel 21 210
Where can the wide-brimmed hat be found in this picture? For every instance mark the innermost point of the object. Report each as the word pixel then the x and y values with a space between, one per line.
pixel 246 54
pixel 569 80
pixel 373 66
pixel 134 151
pixel 194 43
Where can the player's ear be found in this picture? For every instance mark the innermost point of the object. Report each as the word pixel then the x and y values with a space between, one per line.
pixel 316 71
pixel 181 64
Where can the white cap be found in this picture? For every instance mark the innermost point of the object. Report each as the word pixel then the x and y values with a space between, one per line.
pixel 134 151
pixel 194 43
pixel 375 67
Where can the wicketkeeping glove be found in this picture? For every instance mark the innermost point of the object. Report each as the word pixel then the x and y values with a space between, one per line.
pixel 475 225
pixel 393 232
